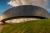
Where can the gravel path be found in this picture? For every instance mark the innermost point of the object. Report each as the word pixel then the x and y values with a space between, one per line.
pixel 1 27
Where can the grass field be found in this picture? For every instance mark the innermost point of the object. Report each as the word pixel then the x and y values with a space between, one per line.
pixel 38 26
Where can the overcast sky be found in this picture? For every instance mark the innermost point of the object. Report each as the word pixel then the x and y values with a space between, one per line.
pixel 4 6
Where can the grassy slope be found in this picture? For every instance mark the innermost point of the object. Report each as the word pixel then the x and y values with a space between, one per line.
pixel 39 26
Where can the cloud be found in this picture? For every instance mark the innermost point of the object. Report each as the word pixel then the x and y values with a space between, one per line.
pixel 15 3
pixel 40 3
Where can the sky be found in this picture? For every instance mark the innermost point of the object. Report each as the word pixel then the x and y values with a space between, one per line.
pixel 4 6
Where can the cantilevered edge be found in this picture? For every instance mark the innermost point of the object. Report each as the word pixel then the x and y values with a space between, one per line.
pixel 3 21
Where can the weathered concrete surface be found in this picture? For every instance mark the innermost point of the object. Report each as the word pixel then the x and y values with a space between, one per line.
pixel 27 10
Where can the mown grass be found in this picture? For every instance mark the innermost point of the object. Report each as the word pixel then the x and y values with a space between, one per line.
pixel 38 26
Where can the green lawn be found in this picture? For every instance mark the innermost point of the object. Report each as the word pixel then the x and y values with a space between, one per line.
pixel 39 26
